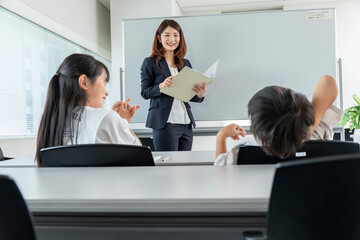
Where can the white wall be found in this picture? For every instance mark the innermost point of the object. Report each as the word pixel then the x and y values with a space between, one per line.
pixel 127 9
pixel 176 11
pixel 85 22
pixel 348 43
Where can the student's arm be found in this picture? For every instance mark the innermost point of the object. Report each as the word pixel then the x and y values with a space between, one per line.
pixel 131 131
pixel 233 131
pixel 116 130
pixel 324 95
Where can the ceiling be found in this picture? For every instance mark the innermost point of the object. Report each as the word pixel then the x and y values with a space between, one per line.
pixel 188 6
pixel 240 5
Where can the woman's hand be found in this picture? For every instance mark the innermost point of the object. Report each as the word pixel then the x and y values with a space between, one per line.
pixel 168 82
pixel 199 90
pixel 125 110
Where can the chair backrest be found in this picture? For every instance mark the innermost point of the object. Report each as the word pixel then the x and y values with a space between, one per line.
pixel 15 219
pixel 146 141
pixel 316 199
pixel 96 155
pixel 2 156
pixel 310 149
pixel 255 155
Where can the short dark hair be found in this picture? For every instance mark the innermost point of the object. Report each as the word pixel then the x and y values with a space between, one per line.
pixel 280 119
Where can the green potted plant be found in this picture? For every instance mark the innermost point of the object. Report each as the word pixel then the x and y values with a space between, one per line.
pixel 352 117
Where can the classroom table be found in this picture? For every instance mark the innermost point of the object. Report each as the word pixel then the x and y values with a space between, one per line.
pixel 184 158
pixel 178 158
pixel 27 161
pixel 174 202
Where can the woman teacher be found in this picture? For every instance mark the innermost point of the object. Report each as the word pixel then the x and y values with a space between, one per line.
pixel 171 119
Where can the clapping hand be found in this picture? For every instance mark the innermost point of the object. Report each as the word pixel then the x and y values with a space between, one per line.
pixel 125 110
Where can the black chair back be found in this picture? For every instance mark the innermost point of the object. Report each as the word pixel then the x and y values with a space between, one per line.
pixel 316 199
pixel 96 155
pixel 146 141
pixel 310 149
pixel 255 155
pixel 15 219
pixel 2 156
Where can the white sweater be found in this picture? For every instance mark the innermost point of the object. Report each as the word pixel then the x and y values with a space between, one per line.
pixel 99 125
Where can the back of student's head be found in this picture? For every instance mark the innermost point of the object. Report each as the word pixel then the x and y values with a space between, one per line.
pixel 280 119
pixel 63 95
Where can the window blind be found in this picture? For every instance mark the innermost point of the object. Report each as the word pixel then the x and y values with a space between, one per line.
pixel 30 56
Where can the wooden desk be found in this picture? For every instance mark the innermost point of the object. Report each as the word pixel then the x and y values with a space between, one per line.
pixel 155 202
pixel 181 158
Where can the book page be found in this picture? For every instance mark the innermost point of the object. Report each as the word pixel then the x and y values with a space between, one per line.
pixel 185 80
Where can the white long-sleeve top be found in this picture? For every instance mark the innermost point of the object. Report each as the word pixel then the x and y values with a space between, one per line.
pixel 99 125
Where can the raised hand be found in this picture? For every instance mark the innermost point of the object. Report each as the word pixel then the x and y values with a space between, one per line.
pixel 233 130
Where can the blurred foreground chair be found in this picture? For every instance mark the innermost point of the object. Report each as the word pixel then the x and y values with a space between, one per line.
pixel 2 156
pixel 315 199
pixel 15 219
pixel 96 155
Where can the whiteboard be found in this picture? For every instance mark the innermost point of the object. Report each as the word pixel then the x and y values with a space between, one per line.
pixel 256 49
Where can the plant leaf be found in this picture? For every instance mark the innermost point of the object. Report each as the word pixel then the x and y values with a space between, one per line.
pixel 356 99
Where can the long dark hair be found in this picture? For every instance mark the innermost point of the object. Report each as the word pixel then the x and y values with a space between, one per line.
pixel 158 50
pixel 280 119
pixel 63 95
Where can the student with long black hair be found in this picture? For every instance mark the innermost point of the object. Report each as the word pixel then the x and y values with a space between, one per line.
pixel 74 110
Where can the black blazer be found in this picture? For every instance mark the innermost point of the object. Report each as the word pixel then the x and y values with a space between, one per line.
pixel 160 104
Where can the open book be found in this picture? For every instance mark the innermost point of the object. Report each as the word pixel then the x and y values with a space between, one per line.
pixel 185 80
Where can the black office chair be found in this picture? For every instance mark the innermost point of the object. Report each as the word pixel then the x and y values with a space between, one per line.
pixel 96 155
pixel 310 149
pixel 315 199
pixel 2 157
pixel 15 219
pixel 147 141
